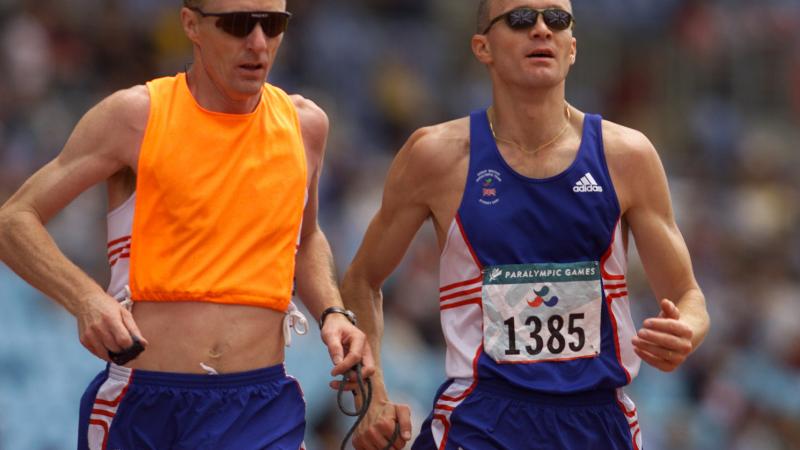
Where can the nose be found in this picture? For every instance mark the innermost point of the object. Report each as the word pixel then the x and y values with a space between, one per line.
pixel 257 39
pixel 540 29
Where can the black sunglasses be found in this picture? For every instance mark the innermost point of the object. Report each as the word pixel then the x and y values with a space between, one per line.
pixel 525 17
pixel 241 24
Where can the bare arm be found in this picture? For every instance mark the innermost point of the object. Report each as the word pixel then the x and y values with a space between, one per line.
pixel 315 273
pixel 403 211
pixel 315 280
pixel 98 148
pixel 664 341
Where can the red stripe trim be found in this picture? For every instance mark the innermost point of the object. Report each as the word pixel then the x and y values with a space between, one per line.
pixel 460 294
pixel 607 276
pixel 103 412
pixel 444 407
pixel 118 250
pixel 472 301
pixel 446 424
pixel 471 387
pixel 447 398
pixel 123 256
pixel 633 424
pixel 105 430
pixel 616 339
pixel 631 413
pixel 604 259
pixel 466 241
pixel 117 241
pixel 618 295
pixel 615 286
pixel 461 283
pixel 116 401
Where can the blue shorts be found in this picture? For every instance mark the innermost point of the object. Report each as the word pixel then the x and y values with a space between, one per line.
pixel 491 415
pixel 128 409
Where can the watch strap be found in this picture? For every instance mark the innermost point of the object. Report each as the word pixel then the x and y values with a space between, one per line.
pixel 338 310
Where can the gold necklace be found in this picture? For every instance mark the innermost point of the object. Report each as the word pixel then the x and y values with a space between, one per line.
pixel 521 148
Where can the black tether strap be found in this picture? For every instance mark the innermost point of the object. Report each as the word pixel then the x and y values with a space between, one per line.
pixel 366 394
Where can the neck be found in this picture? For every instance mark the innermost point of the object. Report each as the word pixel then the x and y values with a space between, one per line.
pixel 529 118
pixel 210 96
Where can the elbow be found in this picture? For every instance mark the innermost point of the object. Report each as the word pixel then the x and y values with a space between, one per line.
pixel 6 227
pixel 6 222
pixel 358 289
pixel 357 277
pixel 13 222
pixel 702 318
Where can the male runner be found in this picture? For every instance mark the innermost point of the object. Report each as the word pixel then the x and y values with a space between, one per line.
pixel 532 202
pixel 212 181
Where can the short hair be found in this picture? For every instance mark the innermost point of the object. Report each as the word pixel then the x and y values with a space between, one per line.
pixel 193 3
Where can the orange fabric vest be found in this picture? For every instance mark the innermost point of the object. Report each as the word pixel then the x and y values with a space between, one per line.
pixel 219 200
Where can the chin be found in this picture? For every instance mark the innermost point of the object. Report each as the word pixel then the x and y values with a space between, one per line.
pixel 249 87
pixel 541 80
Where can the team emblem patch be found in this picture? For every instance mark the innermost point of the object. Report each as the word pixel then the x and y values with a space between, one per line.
pixel 489 182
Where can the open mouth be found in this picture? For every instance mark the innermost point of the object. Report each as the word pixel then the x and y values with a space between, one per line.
pixel 252 67
pixel 544 53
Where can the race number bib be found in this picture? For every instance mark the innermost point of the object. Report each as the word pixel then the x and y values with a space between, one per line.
pixel 541 312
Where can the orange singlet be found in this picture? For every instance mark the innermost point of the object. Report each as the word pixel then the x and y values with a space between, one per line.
pixel 219 200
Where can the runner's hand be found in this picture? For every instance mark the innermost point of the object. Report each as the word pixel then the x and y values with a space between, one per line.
pixel 378 426
pixel 664 342
pixel 105 325
pixel 347 346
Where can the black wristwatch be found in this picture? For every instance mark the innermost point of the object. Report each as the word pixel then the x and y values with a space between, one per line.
pixel 339 310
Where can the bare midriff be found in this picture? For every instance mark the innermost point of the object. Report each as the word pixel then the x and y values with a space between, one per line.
pixel 227 338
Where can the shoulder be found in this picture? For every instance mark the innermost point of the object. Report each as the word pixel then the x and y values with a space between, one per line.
pixel 314 124
pixel 432 161
pixel 126 109
pixel 627 149
pixel 114 128
pixel 437 147
pixel 133 101
pixel 429 167
pixel 635 167
pixel 311 116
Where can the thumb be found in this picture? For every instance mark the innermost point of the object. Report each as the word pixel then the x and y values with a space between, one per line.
pixel 669 310
pixel 403 413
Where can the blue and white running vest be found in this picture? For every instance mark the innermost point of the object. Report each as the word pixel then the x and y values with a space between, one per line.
pixel 532 280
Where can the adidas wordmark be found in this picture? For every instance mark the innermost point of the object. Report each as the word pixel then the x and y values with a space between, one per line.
pixel 587 184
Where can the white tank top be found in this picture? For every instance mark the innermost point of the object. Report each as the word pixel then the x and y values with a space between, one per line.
pixel 120 224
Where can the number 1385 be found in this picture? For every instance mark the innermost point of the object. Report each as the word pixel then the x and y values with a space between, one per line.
pixel 556 342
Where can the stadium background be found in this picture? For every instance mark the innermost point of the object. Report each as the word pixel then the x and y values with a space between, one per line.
pixel 715 84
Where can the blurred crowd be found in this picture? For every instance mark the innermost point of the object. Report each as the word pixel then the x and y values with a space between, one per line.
pixel 715 84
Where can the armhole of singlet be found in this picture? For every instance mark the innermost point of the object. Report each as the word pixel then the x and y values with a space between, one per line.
pixel 597 124
pixel 122 206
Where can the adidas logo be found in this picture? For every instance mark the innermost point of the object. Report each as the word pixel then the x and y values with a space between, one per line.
pixel 587 184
